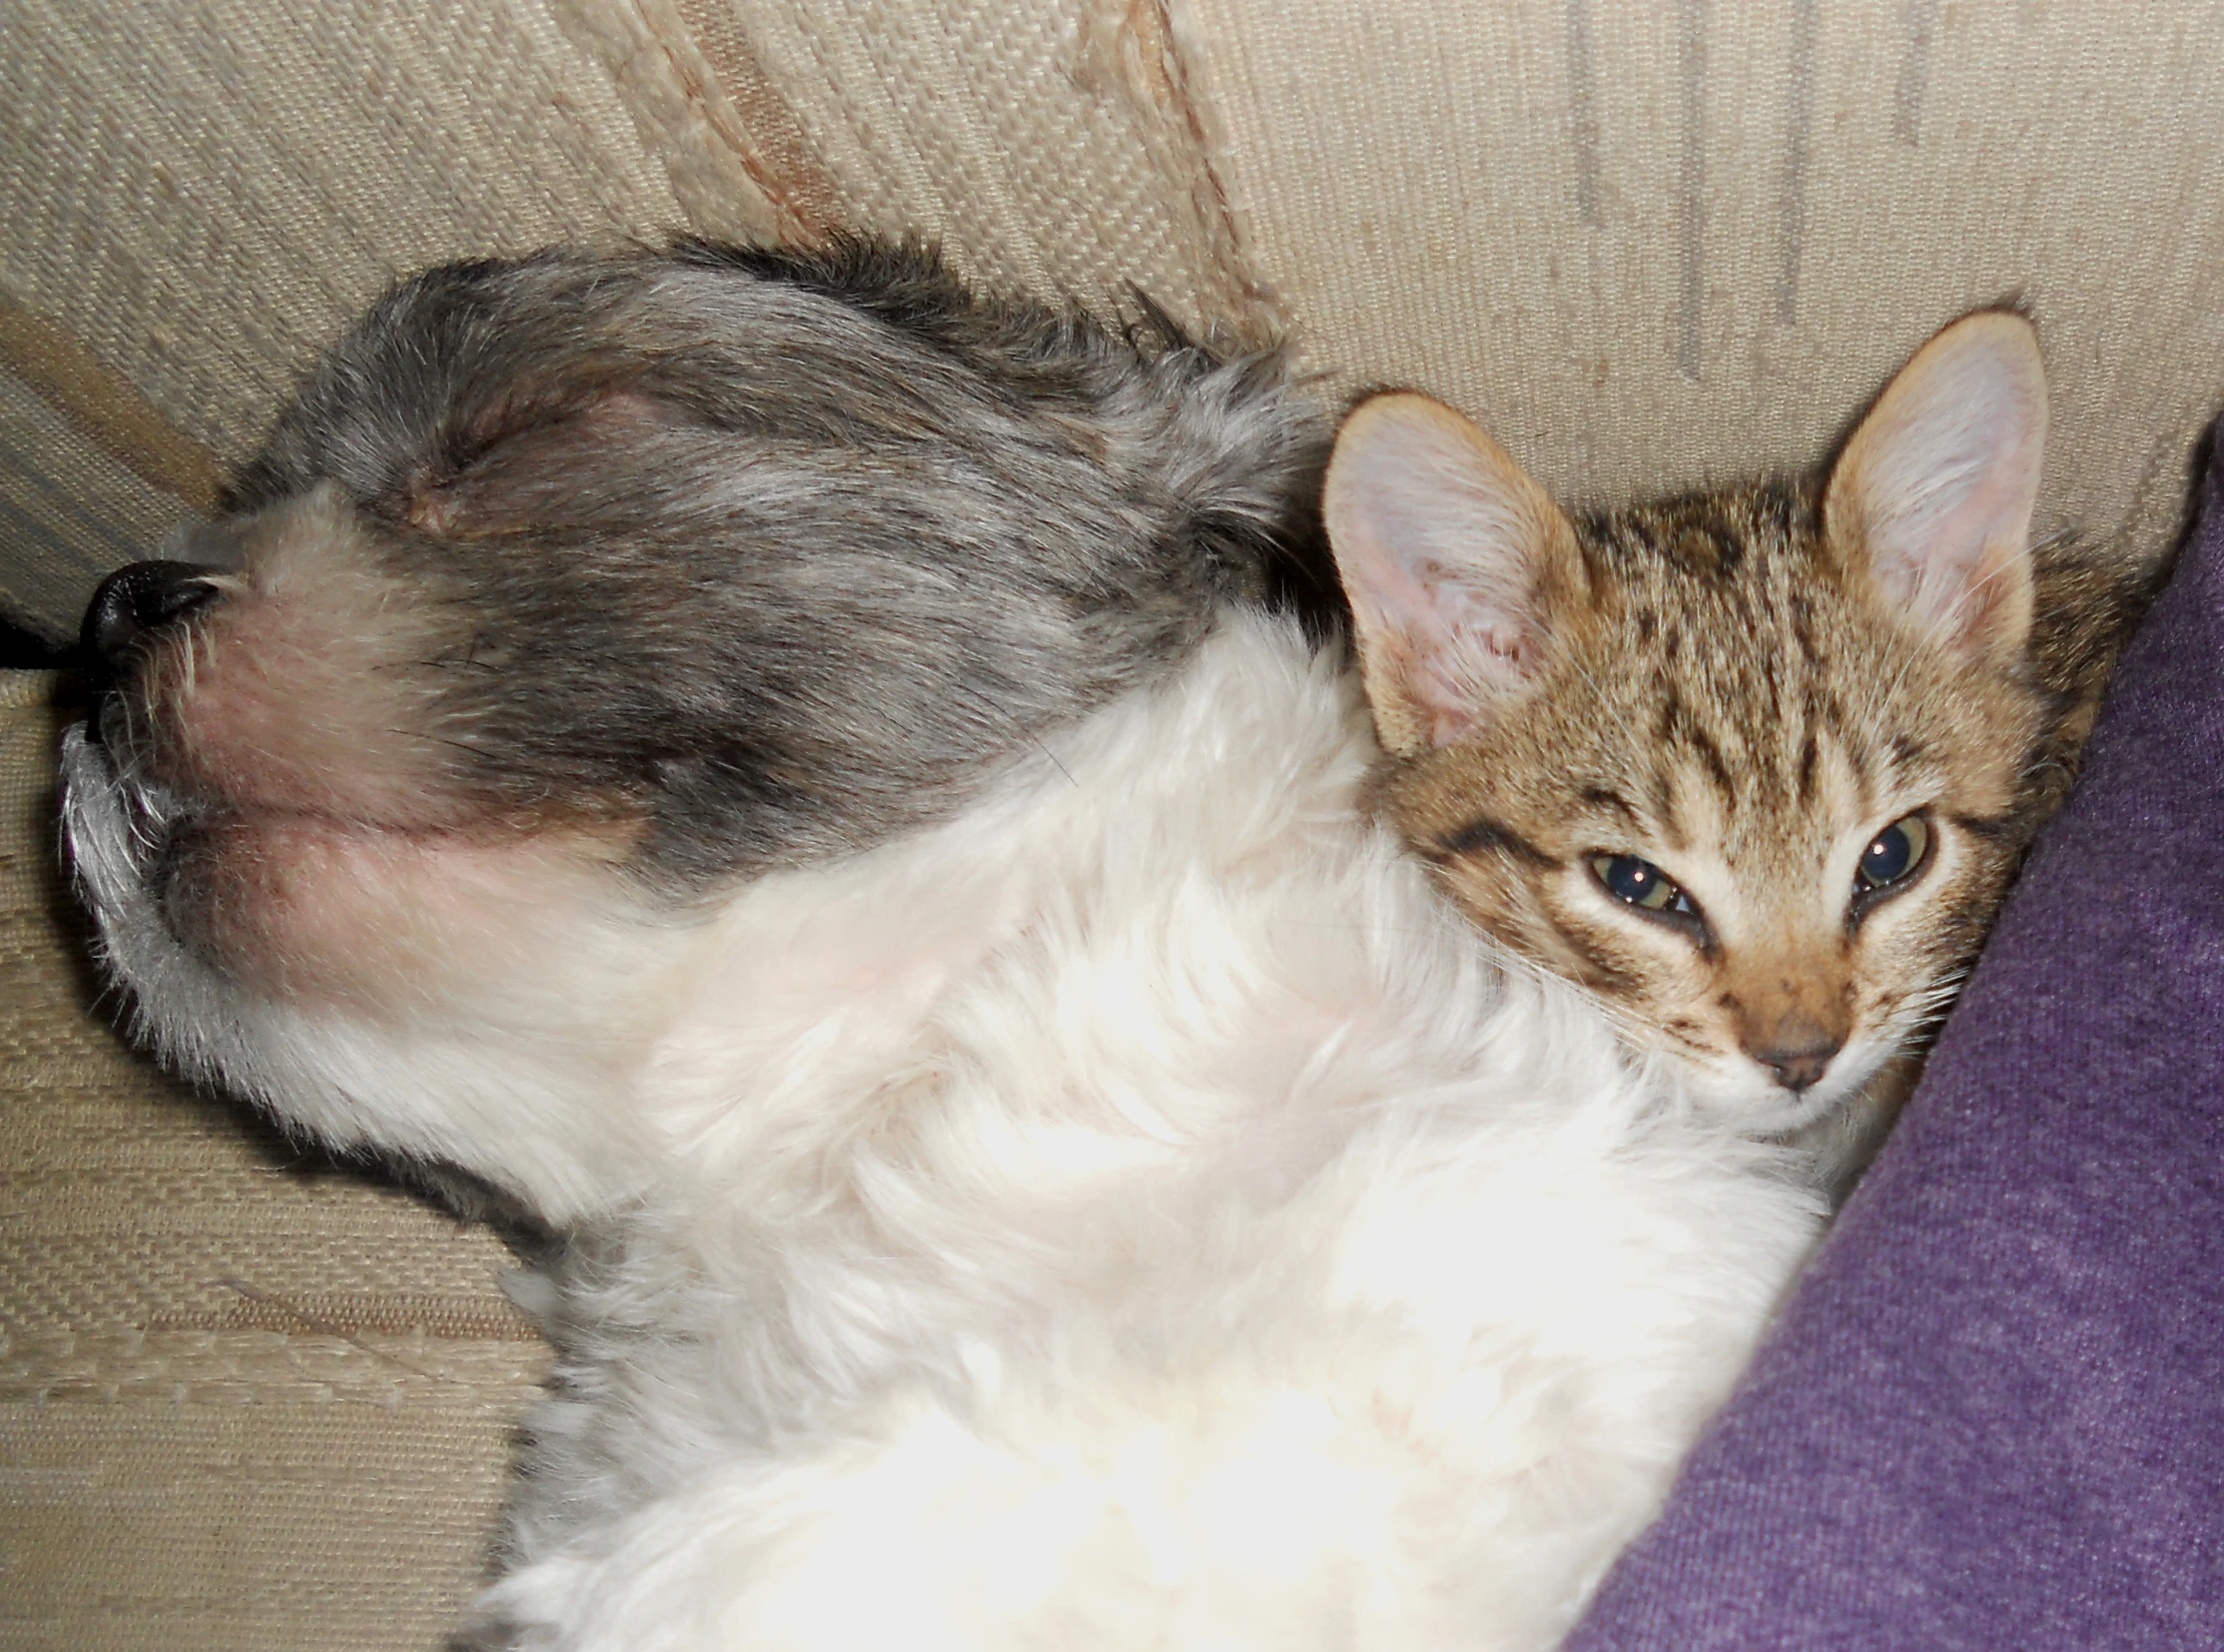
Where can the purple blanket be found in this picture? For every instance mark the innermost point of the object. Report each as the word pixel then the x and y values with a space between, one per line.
pixel 1994 1415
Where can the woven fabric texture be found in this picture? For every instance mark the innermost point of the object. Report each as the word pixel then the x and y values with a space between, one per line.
pixel 248 1401
pixel 1646 244
pixel 69 508
pixel 199 192
pixel 1050 148
pixel 1650 246
pixel 693 116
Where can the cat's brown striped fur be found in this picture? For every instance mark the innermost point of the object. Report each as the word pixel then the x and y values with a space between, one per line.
pixel 1727 688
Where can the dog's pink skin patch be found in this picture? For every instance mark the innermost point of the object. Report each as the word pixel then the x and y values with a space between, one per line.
pixel 275 713
pixel 310 684
pixel 329 852
pixel 321 913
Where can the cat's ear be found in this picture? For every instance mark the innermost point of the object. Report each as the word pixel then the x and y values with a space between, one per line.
pixel 1454 562
pixel 1937 487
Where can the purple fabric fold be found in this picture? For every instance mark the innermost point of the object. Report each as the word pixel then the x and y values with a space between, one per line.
pixel 1991 1418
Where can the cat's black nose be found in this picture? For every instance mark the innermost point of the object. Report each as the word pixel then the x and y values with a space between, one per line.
pixel 1797 1068
pixel 136 602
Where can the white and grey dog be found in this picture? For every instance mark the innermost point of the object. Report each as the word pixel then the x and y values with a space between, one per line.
pixel 783 769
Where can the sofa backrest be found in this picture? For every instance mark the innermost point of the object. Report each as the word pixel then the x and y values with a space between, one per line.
pixel 1647 244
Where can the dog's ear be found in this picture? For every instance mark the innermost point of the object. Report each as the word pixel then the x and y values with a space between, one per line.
pixel 519 462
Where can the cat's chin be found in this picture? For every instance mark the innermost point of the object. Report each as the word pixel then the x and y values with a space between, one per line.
pixel 1747 1098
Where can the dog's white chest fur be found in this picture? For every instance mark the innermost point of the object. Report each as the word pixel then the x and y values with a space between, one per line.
pixel 1135 1214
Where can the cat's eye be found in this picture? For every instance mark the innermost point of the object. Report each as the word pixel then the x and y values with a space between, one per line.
pixel 1893 855
pixel 1641 884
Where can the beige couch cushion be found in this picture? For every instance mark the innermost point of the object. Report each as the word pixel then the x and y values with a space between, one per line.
pixel 1648 244
pixel 1653 244
pixel 248 1401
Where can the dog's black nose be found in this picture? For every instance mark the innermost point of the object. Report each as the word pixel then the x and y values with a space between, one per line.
pixel 136 600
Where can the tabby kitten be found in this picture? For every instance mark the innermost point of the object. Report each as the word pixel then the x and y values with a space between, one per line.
pixel 1754 767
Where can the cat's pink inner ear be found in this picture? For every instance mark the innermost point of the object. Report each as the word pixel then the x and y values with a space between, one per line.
pixel 1445 548
pixel 1939 483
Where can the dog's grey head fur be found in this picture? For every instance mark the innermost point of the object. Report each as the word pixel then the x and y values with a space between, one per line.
pixel 678 566
pixel 778 548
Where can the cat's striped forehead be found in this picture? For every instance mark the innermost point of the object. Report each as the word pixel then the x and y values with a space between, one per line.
pixel 1726 679
pixel 1726 710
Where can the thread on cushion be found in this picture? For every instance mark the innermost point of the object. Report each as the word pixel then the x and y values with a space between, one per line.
pixel 1027 140
pixel 1583 112
pixel 353 1315
pixel 1691 192
pixel 1145 41
pixel 775 147
pixel 1799 126
pixel 1914 72
pixel 681 111
pixel 65 374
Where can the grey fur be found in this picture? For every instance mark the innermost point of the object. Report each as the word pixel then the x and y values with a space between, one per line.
pixel 786 550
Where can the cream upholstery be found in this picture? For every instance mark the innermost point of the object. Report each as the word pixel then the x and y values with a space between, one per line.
pixel 1648 244
pixel 247 1400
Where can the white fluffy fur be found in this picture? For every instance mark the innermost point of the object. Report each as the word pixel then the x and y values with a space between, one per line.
pixel 1138 1214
